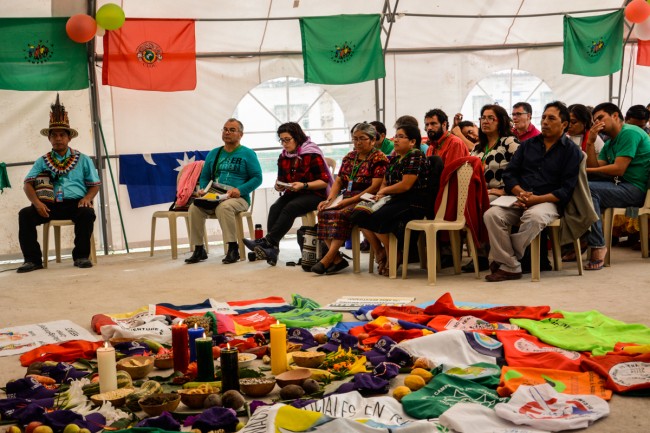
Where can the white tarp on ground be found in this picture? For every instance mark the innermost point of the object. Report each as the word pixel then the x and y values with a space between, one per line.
pixel 431 62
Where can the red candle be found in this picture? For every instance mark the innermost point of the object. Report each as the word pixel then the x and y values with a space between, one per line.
pixel 180 347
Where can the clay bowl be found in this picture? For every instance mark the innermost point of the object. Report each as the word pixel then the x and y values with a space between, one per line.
pixel 308 359
pixel 116 398
pixel 163 363
pixel 155 405
pixel 293 377
pixel 138 367
pixel 257 386
pixel 194 400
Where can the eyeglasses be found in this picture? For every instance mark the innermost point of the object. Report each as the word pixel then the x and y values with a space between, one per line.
pixel 519 114
pixel 361 139
pixel 285 140
pixel 230 130
pixel 400 136
pixel 488 119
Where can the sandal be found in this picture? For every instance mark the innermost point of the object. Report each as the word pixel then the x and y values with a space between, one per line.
pixel 381 264
pixel 594 265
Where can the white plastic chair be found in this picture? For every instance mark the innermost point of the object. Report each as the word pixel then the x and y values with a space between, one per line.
pixel 557 251
pixel 56 225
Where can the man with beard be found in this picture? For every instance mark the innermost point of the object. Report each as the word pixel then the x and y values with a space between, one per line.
pixel 442 143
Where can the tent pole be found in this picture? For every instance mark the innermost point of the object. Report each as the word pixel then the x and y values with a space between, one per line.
pixel 94 112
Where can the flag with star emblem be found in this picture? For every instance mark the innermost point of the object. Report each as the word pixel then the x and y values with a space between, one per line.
pixel 37 54
pixel 342 49
pixel 593 46
pixel 151 178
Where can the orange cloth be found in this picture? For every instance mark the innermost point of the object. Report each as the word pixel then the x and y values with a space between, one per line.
pixel 68 351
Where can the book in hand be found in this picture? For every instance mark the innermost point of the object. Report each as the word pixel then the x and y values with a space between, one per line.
pixel 504 201
pixel 335 202
pixel 368 197
pixel 283 184
pixel 213 195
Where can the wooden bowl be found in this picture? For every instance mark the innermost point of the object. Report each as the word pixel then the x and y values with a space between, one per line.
pixel 116 398
pixel 138 367
pixel 117 340
pixel 293 377
pixel 257 386
pixel 194 400
pixel 155 405
pixel 308 359
pixel 163 363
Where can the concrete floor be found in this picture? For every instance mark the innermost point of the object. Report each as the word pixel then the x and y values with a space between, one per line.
pixel 121 283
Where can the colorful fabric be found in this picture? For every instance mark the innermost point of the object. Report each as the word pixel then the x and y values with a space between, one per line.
pixel 566 382
pixel 342 49
pixel 4 177
pixel 308 168
pixel 387 147
pixel 409 313
pixel 625 373
pixel 643 53
pixel 472 417
pixel 468 323
pixel 449 148
pixel 483 373
pixel 524 350
pixel 308 318
pixel 593 46
pixel 544 408
pixel 74 172
pixel 443 392
pixel 37 54
pixel 239 168
pixel 531 132
pixel 445 305
pixel 585 331
pixel 151 54
pixel 496 159
pixel 634 143
pixel 68 351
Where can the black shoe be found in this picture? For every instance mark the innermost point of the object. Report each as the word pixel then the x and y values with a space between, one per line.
pixel 269 254
pixel 365 246
pixel 199 255
pixel 318 268
pixel 252 243
pixel 336 267
pixel 28 267
pixel 232 256
pixel 83 263
pixel 483 265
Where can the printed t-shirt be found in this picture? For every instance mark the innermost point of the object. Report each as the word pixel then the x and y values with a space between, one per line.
pixel 524 350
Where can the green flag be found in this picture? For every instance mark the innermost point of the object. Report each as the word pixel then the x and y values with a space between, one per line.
pixel 342 49
pixel 37 54
pixel 593 46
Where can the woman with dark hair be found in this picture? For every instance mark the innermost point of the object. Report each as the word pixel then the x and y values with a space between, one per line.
pixel 495 147
pixel 405 184
pixel 304 180
pixel 580 122
pixel 362 171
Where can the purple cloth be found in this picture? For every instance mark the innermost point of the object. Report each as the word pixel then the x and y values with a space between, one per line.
pixel 62 372
pixel 302 336
pixel 28 387
pixel 386 370
pixel 379 352
pixel 23 408
pixel 346 341
pixel 216 418
pixel 165 422
pixel 133 348
pixel 255 404
pixel 61 418
pixel 310 147
pixel 366 384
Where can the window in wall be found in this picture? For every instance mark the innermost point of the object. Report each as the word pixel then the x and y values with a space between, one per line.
pixel 289 99
pixel 506 88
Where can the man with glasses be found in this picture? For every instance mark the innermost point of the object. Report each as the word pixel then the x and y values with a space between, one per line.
pixel 541 176
pixel 234 168
pixel 441 142
pixel 522 114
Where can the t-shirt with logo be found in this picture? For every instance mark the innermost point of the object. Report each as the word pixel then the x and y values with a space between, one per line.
pixel 524 350
pixel 625 373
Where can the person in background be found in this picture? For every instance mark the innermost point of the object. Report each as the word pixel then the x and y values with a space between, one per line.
pixel 306 180
pixel 638 115
pixel 74 182
pixel 442 143
pixel 236 167
pixel 410 120
pixel 522 114
pixel 383 144
pixel 362 171
pixel 580 122
pixel 466 131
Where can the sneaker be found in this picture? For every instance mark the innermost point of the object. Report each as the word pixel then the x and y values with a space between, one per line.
pixel 270 254
pixel 28 267
pixel 83 263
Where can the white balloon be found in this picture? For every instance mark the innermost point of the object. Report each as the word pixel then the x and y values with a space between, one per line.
pixel 100 31
pixel 642 30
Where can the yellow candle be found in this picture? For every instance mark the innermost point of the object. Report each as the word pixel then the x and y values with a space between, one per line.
pixel 278 348
pixel 107 368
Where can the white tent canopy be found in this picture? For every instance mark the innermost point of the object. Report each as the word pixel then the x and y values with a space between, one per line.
pixel 436 52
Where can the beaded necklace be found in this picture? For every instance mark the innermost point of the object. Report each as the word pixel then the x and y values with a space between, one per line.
pixel 64 166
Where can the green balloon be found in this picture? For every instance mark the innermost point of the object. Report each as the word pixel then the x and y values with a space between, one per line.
pixel 110 16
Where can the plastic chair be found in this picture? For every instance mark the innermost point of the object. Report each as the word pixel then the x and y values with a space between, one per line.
pixel 309 219
pixel 607 219
pixel 643 225
pixel 57 224
pixel 432 227
pixel 239 226
pixel 557 251
pixel 331 163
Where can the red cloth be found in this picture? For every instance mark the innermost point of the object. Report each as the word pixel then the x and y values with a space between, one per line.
pixel 149 54
pixel 445 305
pixel 624 373
pixel 643 54
pixel 477 196
pixel 68 351
pixel 524 350
pixel 531 132
pixel 187 182
pixel 410 313
pixel 449 148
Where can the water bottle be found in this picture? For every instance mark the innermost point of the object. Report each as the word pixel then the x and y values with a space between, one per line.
pixel 259 233
pixel 59 195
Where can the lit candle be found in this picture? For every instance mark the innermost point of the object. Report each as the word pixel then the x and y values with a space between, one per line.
pixel 180 347
pixel 194 333
pixel 204 359
pixel 107 368
pixel 229 369
pixel 278 348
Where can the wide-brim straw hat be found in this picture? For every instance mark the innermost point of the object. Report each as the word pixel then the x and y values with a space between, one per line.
pixel 59 120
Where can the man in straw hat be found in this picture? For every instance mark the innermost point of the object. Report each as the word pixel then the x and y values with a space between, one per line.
pixel 61 185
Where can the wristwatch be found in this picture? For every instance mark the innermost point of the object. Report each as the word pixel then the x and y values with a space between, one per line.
pixel 305 185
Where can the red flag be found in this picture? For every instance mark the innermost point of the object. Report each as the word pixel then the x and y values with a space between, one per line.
pixel 643 54
pixel 151 55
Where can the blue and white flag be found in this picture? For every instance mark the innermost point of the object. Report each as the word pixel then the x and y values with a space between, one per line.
pixel 151 178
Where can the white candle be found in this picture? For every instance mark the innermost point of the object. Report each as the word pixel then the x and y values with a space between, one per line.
pixel 107 368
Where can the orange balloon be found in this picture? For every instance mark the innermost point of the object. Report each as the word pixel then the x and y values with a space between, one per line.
pixel 637 11
pixel 81 28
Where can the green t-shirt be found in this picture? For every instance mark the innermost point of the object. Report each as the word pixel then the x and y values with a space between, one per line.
pixel 386 147
pixel 634 143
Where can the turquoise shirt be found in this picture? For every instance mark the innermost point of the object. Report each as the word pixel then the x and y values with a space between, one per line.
pixel 75 179
pixel 634 143
pixel 239 168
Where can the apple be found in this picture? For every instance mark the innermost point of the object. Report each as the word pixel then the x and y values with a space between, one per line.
pixel 216 352
pixel 43 429
pixel 31 426
pixel 13 429
pixel 71 428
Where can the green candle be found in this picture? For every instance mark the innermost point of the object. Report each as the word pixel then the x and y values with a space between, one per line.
pixel 204 360
pixel 229 369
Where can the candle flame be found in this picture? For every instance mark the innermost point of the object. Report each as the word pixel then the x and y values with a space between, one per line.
pixel 195 326
pixel 204 335
pixel 105 344
pixel 180 323
pixel 228 344
pixel 278 322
